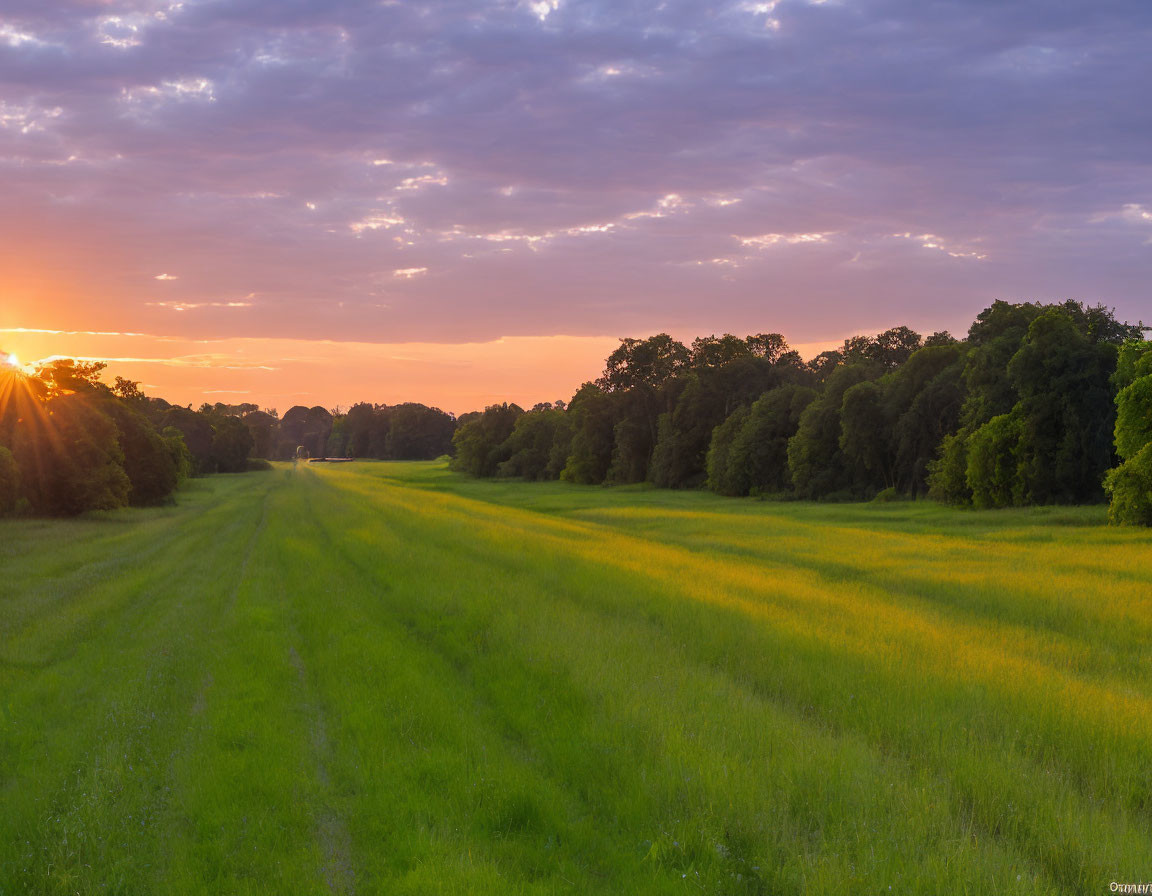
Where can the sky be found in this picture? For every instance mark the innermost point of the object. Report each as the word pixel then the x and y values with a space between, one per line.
pixel 331 201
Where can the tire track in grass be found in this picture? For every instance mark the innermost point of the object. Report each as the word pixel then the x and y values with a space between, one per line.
pixel 105 547
pixel 242 822
pixel 424 628
pixel 436 664
pixel 332 829
pixel 208 679
pixel 117 787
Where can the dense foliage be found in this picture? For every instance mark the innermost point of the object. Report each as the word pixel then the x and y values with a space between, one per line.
pixel 69 443
pixel 1039 404
pixel 406 431
pixel 1034 406
pixel 1130 484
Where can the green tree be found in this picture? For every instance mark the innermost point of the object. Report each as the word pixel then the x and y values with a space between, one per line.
pixel 307 427
pixel 182 458
pixel 816 461
pixel 592 419
pixel 9 482
pixel 1134 415
pixel 1133 360
pixel 479 442
pixel 529 447
pixel 358 425
pixel 1065 409
pixel 684 434
pixel 893 347
pixel 724 477
pixel 993 463
pixel 70 459
pixel 866 436
pixel 923 399
pixel 716 351
pixel 823 364
pixel 1129 486
pixel 197 433
pixel 1049 376
pixel 758 457
pixel 634 435
pixel 149 463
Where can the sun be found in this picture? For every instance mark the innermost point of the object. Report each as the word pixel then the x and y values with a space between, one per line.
pixel 11 363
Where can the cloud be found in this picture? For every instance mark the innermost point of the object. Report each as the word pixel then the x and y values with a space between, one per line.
pixel 583 168
pixel 192 306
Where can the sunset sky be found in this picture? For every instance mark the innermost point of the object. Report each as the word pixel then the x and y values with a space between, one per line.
pixel 327 201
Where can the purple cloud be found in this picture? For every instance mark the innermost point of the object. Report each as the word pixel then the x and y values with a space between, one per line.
pixel 571 167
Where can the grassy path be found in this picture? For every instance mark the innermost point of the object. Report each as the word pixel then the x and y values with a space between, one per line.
pixel 384 678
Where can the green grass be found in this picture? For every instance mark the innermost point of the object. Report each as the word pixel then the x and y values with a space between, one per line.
pixel 386 678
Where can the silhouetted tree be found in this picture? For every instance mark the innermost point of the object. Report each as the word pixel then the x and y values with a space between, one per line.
pixel 65 376
pixel 9 482
pixel 418 432
pixel 198 434
pixel 307 427
pixel 358 425
pixel 231 445
pixel 70 459
pixel 265 431
pixel 643 362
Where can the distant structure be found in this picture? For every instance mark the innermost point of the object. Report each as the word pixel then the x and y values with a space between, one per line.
pixel 302 453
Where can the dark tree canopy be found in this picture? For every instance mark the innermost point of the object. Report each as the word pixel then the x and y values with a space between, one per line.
pixel 647 362
pixel 1038 404
pixel 480 443
pixel 1019 412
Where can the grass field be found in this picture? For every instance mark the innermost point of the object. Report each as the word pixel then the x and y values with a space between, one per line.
pixel 386 678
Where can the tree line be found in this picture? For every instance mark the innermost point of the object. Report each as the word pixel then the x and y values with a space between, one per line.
pixel 70 443
pixel 1038 404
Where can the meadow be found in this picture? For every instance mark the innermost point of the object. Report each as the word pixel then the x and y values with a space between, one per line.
pixel 386 677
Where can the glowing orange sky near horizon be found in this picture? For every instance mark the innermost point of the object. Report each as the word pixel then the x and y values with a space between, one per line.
pixel 279 373
pixel 332 202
